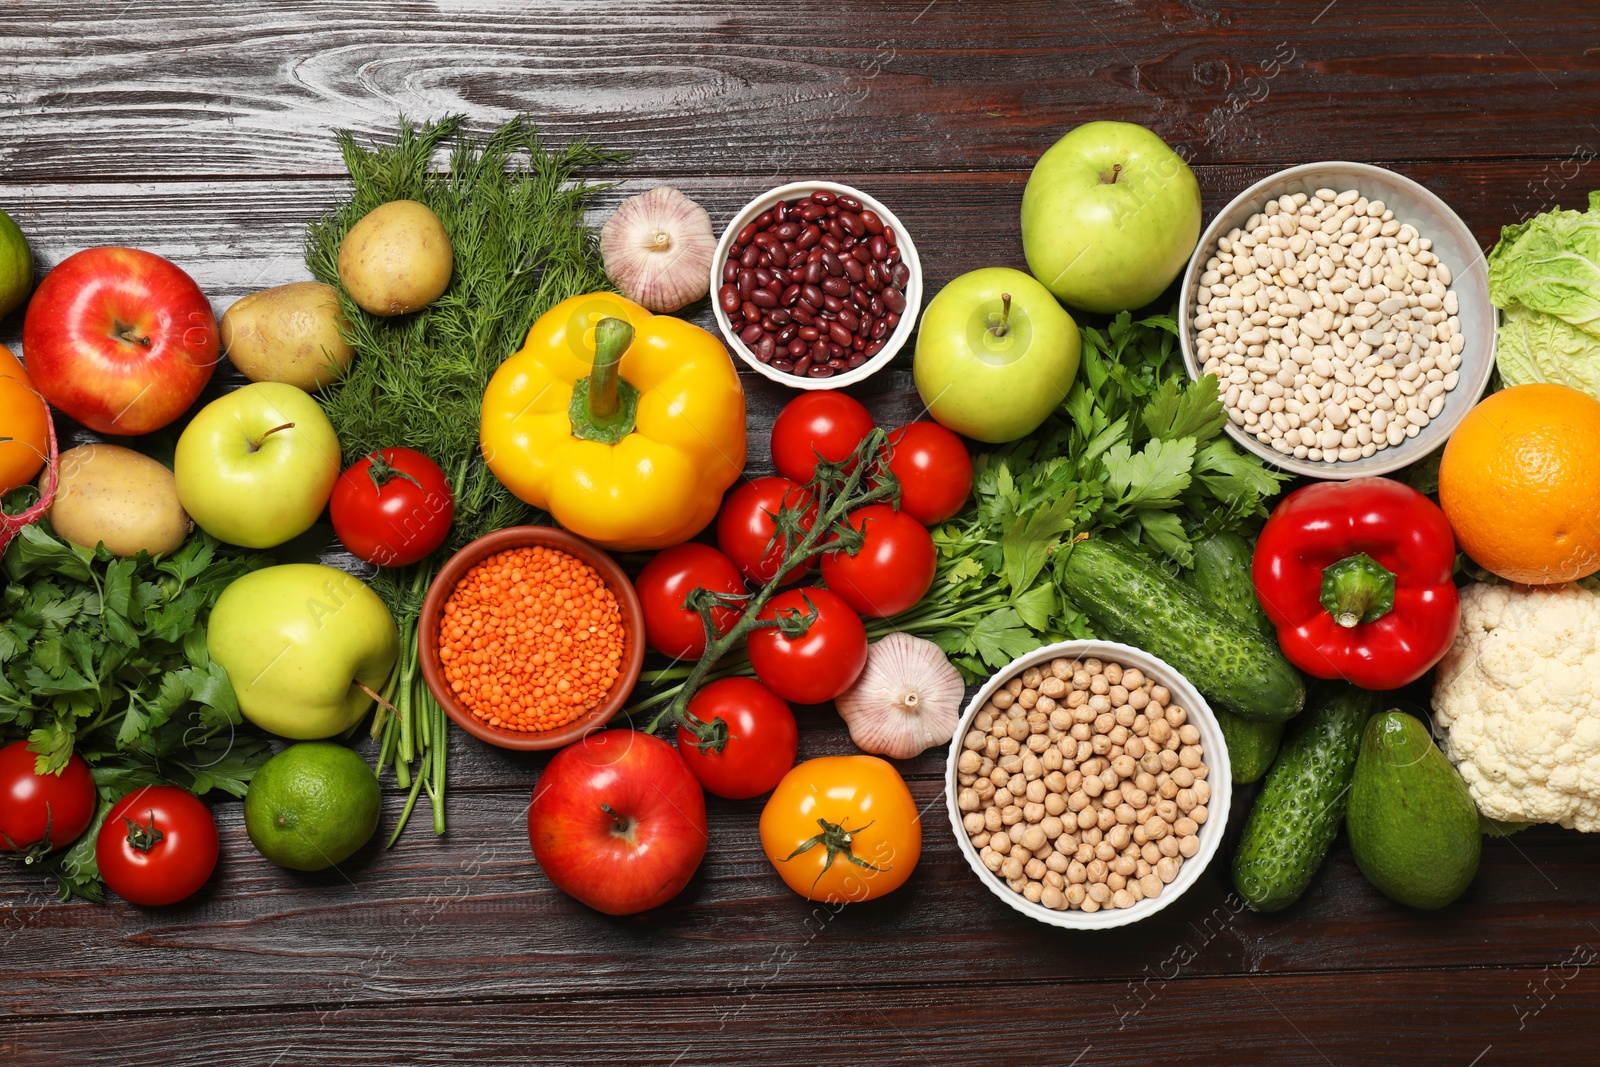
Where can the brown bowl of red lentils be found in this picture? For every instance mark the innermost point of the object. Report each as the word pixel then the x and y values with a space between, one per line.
pixel 531 637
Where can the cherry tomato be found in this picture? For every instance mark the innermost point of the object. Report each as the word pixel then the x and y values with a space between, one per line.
pixel 745 526
pixel 892 570
pixel 157 846
pixel 392 507
pixel 870 832
pixel 934 469
pixel 669 627
pixel 762 738
pixel 42 811
pixel 824 422
pixel 819 664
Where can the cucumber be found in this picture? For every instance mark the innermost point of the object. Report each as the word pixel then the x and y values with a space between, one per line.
pixel 1222 576
pixel 1298 813
pixel 1131 599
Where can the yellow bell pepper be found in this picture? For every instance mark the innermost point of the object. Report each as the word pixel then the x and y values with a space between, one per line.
pixel 630 447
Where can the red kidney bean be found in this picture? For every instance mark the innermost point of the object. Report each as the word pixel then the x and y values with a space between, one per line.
pixel 807 285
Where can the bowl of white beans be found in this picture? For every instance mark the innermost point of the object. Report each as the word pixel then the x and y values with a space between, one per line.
pixel 1345 311
pixel 1088 785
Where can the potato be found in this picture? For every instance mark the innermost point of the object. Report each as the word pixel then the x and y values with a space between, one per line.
pixel 116 495
pixel 288 334
pixel 397 259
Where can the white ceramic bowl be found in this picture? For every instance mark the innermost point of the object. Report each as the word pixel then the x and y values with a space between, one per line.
pixel 895 340
pixel 1455 247
pixel 1219 774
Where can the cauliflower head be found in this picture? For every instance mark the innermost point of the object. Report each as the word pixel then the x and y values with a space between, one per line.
pixel 1517 701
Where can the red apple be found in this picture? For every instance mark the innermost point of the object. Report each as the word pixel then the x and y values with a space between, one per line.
pixel 618 821
pixel 119 339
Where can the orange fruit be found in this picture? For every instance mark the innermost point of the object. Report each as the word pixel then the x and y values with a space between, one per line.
pixel 22 419
pixel 1520 484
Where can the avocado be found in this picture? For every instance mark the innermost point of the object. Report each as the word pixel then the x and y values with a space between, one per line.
pixel 1413 827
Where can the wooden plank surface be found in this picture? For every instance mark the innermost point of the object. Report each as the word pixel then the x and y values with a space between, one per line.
pixel 203 131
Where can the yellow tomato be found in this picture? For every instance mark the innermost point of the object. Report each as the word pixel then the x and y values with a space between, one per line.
pixel 22 419
pixel 842 828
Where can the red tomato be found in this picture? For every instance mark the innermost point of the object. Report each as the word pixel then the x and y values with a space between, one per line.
pixel 669 627
pixel 392 507
pixel 157 846
pixel 821 663
pixel 892 570
pixel 763 739
pixel 824 422
pixel 45 811
pixel 745 526
pixel 934 469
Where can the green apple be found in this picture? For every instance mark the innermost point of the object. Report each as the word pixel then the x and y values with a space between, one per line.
pixel 256 467
pixel 995 355
pixel 1109 217
pixel 299 643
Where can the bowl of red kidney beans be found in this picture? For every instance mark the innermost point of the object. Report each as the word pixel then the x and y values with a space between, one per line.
pixel 816 285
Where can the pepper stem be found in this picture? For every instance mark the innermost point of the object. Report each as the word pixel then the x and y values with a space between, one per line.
pixel 603 404
pixel 1357 589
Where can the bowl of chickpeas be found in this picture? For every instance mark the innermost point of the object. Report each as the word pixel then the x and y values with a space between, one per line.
pixel 1088 784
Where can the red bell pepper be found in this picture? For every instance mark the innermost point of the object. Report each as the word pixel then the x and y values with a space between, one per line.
pixel 1356 576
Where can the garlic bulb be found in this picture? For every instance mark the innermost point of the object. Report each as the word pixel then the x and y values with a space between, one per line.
pixel 657 249
pixel 907 700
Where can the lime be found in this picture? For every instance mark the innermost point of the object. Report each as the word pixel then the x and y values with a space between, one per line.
pixel 16 266
pixel 312 806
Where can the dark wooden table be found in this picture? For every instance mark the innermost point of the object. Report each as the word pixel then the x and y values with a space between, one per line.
pixel 203 131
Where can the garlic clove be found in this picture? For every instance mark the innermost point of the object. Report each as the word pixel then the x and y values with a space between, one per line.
pixel 907 699
pixel 657 248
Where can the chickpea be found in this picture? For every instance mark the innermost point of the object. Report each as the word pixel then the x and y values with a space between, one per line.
pixel 1055 804
pixel 1122 899
pixel 969 761
pixel 1188 733
pixel 1092 835
pixel 1185 827
pixel 1123 866
pixel 1132 678
pixel 1126 814
pixel 1018 728
pixel 1010 815
pixel 1080 679
pixel 1052 827
pixel 1077 705
pixel 1134 747
pixel 1150 884
pixel 1034 869
pixel 1085 852
pixel 1106 820
pixel 1003 798
pixel 991 747
pixel 991 859
pixel 1033 891
pixel 1100 705
pixel 1156 828
pixel 1167 869
pixel 1176 716
pixel 1085 751
pixel 1169 759
pixel 1125 766
pixel 1139 836
pixel 1141 728
pixel 1014 686
pixel 1104 852
pixel 1135 797
pixel 1099 685
pixel 1160 731
pixel 1189 756
pixel 1188 846
pixel 1080 732
pixel 1111 798
pixel 1150 762
pixel 1032 812
pixel 1159 695
pixel 1017 885
pixel 1053 898
pixel 1199 814
pixel 1169 845
pixel 1093 666
pixel 1032 768
pixel 1061 667
pixel 1100 744
pixel 1099 892
pixel 1086 819
pixel 1003 699
pixel 1009 746
pixel 1032 838
pixel 1051 759
pixel 1077 873
pixel 1057 863
pixel 1119 698
pixel 1134 891
pixel 1167 809
pixel 1076 895
pixel 1150 854
pixel 985 717
pixel 1116 883
pixel 1053 687
pixel 1001 842
pixel 1090 906
pixel 1011 869
pixel 1202 792
pixel 974 740
pixel 980 840
pixel 1120 734
pixel 991 820
pixel 984 788
pixel 967 801
pixel 1201 772
pixel 1138 699
pixel 1186 800
pixel 1141 870
pixel 1093 786
pixel 1119 835
pixel 1184 777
